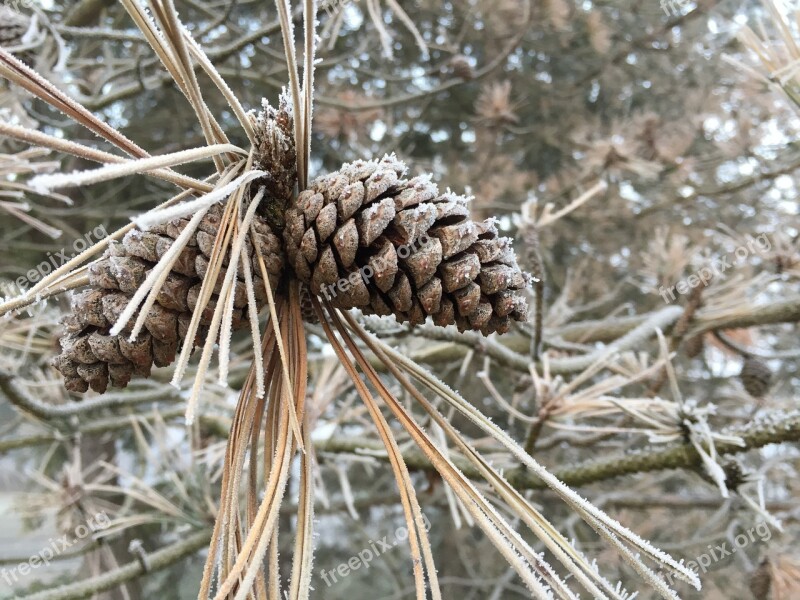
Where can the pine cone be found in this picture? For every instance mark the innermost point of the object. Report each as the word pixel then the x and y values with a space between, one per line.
pixel 460 67
pixel 365 237
pixel 276 155
pixel 694 345
pixel 761 581
pixel 91 357
pixel 755 377
pixel 362 236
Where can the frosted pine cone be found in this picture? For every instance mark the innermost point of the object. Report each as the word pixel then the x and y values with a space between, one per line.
pixel 91 357
pixel 276 154
pixel 362 236
pixel 365 237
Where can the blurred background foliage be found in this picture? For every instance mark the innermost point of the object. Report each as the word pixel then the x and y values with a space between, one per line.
pixel 522 104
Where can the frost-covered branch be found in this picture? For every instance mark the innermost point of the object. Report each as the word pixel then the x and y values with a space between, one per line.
pixel 509 350
pixel 771 429
pixel 161 559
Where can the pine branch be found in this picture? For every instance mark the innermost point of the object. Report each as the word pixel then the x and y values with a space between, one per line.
pixel 772 429
pixel 23 400
pixel 161 559
pixel 213 424
pixel 511 350
pixel 86 12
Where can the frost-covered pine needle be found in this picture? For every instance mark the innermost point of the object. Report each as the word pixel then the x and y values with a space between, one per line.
pixel 581 505
pixel 45 183
pixel 156 277
pixel 156 217
pixel 255 330
pixel 227 291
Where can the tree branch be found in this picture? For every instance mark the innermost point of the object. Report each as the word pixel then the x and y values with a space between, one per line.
pixel 511 350
pixel 23 400
pixel 157 561
pixel 216 425
pixel 772 429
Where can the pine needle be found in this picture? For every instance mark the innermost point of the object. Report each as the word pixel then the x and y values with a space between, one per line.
pixel 19 73
pixel 37 138
pixel 602 523
pixel 287 31
pixel 505 539
pixel 225 189
pixel 417 535
pixel 304 143
pixel 50 181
